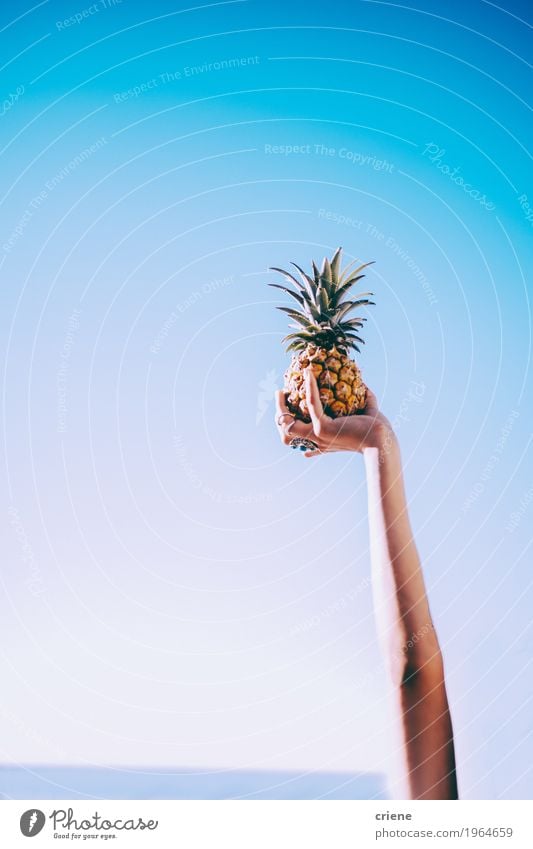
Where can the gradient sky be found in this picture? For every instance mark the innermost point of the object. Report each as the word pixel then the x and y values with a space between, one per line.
pixel 178 588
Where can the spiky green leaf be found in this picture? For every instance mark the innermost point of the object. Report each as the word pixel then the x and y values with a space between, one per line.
pixel 290 292
pixel 304 334
pixel 296 316
pixel 354 336
pixel 288 275
pixel 335 264
pixel 353 322
pixel 347 273
pixel 296 345
pixel 323 300
pixel 344 309
pixel 345 288
pixel 308 282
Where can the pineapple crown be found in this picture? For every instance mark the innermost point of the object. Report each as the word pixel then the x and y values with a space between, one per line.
pixel 324 307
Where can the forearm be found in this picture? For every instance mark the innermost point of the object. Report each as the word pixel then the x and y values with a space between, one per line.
pixel 402 610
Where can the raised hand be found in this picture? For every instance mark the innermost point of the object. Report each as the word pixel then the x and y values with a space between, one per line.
pixel 369 429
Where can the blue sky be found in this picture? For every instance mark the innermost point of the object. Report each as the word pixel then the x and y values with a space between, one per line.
pixel 180 589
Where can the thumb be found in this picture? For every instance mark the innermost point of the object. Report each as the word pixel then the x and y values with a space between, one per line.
pixel 316 410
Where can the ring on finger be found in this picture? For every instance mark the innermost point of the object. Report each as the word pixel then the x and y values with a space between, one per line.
pixel 283 416
pixel 303 444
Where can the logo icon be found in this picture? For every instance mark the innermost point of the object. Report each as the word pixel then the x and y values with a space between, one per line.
pixel 266 389
pixel 32 822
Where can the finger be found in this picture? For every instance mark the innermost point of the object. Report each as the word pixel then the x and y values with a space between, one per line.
pixel 283 416
pixel 319 452
pixel 281 403
pixel 299 429
pixel 314 404
pixel 289 427
pixel 329 451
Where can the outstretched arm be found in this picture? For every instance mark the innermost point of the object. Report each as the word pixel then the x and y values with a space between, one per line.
pixel 403 618
pixel 406 631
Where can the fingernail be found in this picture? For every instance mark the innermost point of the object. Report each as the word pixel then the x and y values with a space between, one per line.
pixel 303 448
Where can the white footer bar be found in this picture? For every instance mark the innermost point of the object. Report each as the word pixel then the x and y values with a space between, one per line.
pixel 267 824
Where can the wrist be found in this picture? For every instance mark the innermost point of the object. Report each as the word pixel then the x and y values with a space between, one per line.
pixel 381 437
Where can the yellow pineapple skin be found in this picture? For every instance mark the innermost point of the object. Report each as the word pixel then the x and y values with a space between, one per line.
pixel 341 387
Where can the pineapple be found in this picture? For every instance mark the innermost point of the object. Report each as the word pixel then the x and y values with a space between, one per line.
pixel 324 336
